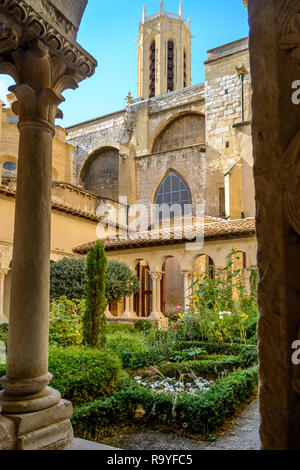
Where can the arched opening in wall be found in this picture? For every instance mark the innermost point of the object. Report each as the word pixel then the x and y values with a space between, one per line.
pixel 185 130
pixel 172 199
pixel 172 286
pixel 152 77
pixel 100 173
pixel 241 272
pixel 204 266
pixel 143 299
pixel 170 84
pixel 7 289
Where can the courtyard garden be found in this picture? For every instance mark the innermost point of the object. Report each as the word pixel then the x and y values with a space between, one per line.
pixel 191 376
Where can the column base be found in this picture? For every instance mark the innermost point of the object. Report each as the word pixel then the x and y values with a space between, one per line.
pixel 129 315
pixel 44 400
pixel 48 429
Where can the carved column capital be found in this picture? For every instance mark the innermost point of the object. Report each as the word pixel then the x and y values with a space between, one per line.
pixel 40 80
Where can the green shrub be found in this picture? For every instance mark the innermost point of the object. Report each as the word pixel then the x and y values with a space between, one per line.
pixel 126 345
pixel 202 413
pixel 121 281
pixel 82 375
pixel 207 368
pixel 216 348
pixel 4 333
pixel 143 325
pixel 65 322
pixel 68 278
pixel 119 327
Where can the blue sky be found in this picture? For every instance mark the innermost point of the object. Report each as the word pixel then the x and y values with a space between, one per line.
pixel 109 30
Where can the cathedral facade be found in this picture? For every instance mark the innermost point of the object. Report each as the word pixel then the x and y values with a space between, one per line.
pixel 176 152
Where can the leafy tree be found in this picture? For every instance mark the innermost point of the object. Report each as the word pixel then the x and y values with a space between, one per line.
pixel 68 279
pixel 121 281
pixel 94 319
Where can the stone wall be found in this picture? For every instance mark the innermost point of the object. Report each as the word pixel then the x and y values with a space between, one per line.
pixel 189 163
pixel 228 133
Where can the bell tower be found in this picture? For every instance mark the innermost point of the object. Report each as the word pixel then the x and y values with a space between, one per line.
pixel 164 53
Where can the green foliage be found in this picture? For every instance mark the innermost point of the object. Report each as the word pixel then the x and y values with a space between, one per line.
pixel 68 278
pixel 65 327
pixel 188 355
pixel 222 309
pixel 143 325
pixel 217 348
pixel 4 333
pixel 121 281
pixel 119 327
pixel 127 345
pixel 208 368
pixel 94 319
pixel 202 413
pixel 82 375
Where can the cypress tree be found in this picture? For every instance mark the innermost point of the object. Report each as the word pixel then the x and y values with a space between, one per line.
pixel 94 320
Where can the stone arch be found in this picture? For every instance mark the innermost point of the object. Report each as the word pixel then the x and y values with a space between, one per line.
pixel 204 264
pixel 100 172
pixel 186 128
pixel 172 285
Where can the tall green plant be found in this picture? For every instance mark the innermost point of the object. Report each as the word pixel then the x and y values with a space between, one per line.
pixel 94 319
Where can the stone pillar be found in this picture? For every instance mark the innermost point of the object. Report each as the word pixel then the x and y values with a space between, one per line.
pixel 275 61
pixel 156 310
pixel 187 281
pixel 1 166
pixel 108 313
pixel 27 400
pixel 129 312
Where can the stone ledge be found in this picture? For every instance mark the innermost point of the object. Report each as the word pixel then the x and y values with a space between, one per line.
pixel 80 444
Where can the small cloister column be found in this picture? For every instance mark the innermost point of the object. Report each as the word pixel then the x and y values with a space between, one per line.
pixel 129 310
pixel 40 79
pixel 275 70
pixel 187 282
pixel 156 300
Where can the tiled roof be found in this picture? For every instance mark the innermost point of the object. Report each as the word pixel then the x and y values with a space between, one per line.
pixel 212 231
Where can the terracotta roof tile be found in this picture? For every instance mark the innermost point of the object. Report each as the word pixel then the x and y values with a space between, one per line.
pixel 212 231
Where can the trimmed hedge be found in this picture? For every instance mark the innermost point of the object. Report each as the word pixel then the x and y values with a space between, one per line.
pixel 82 375
pixel 202 413
pixel 206 368
pixel 217 348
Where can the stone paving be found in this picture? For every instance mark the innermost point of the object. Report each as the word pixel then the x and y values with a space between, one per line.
pixel 241 434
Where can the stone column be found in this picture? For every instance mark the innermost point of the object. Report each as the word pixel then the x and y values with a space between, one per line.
pixel 1 166
pixel 187 282
pixel 275 61
pixel 129 312
pixel 40 81
pixel 156 310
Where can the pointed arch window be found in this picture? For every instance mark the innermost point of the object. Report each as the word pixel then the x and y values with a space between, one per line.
pixel 152 70
pixel 174 193
pixel 170 66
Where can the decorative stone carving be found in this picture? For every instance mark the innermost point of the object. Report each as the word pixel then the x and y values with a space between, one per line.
pixel 290 35
pixel 38 27
pixel 9 38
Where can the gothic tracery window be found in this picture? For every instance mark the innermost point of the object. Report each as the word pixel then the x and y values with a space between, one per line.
pixel 174 194
pixel 152 70
pixel 184 71
pixel 170 66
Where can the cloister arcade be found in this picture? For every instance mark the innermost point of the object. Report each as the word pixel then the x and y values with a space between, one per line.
pixel 167 273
